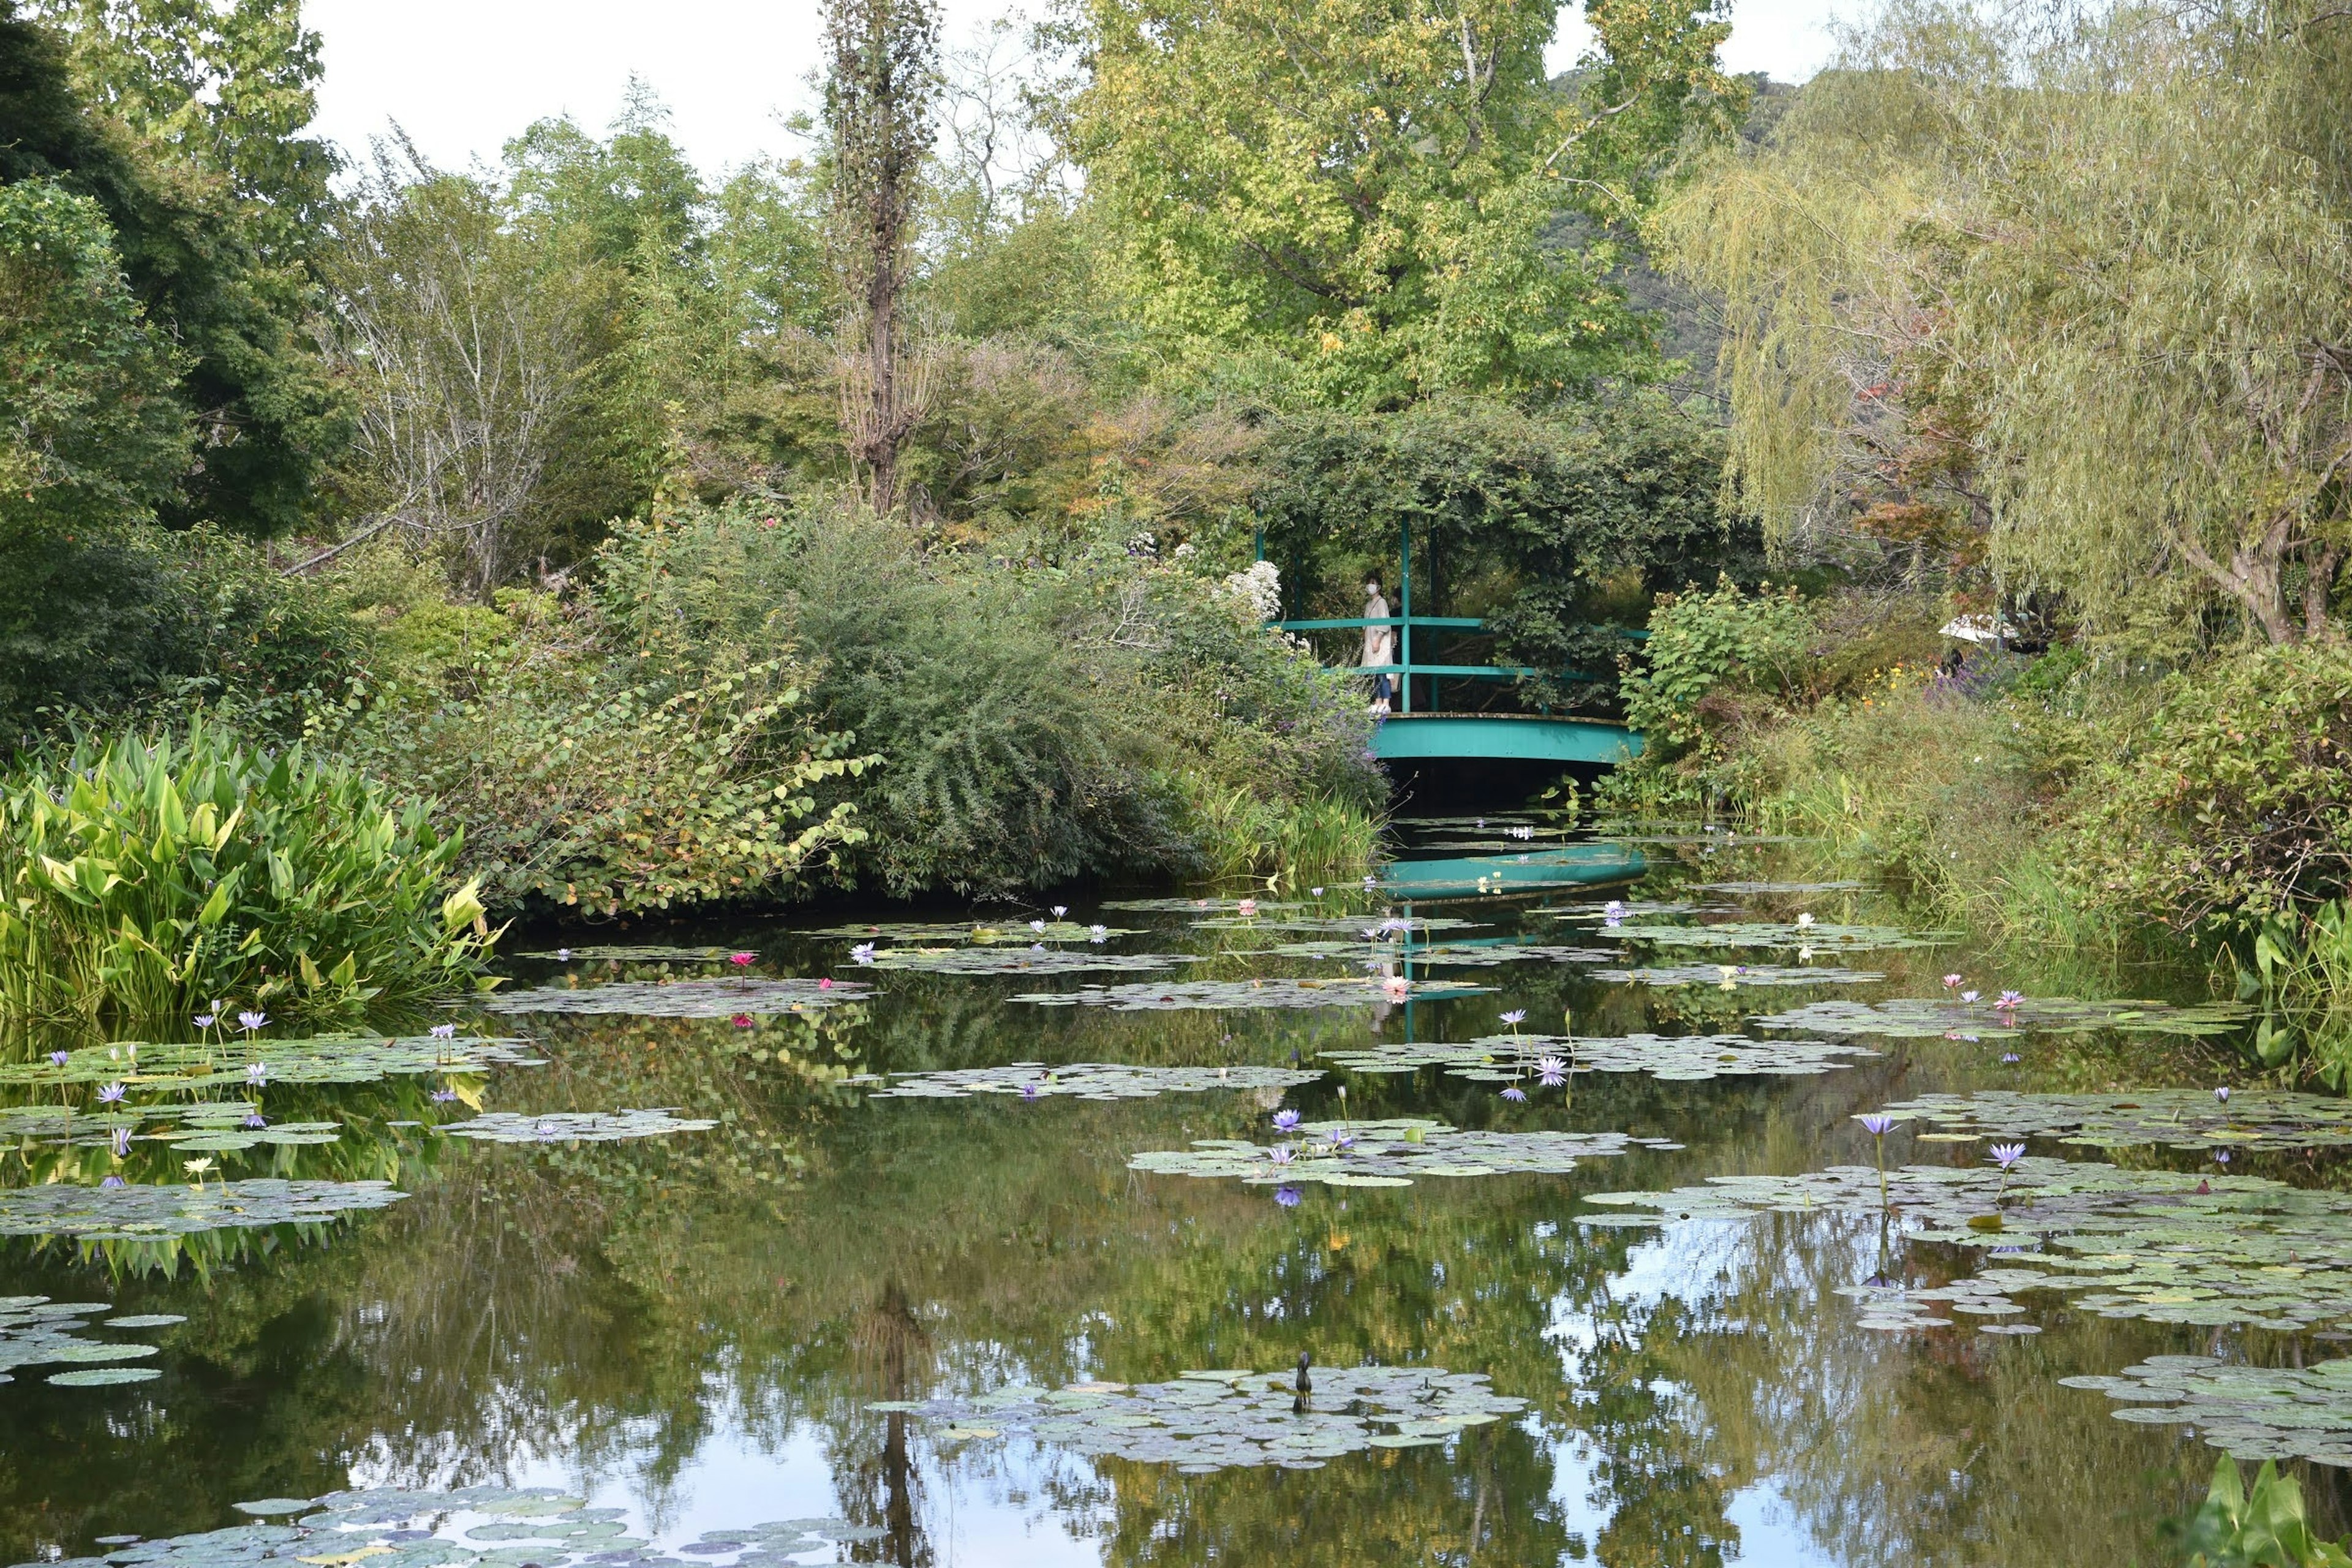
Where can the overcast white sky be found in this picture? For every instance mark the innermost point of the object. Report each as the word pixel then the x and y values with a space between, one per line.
pixel 462 75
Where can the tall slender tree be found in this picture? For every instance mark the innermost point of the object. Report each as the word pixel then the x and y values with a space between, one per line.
pixel 881 94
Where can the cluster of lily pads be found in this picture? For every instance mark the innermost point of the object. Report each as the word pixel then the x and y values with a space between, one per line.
pixel 146 1213
pixel 648 953
pixel 1477 954
pixel 1213 1420
pixel 1967 1016
pixel 975 933
pixel 1087 1080
pixel 1222 995
pixel 2172 1117
pixel 38 1331
pixel 1736 976
pixel 749 996
pixel 2247 1412
pixel 1393 928
pixel 2210 1250
pixel 327 1058
pixel 573 1126
pixel 467 1527
pixel 204 1126
pixel 1001 960
pixel 1387 1153
pixel 1802 934
pixel 1680 1059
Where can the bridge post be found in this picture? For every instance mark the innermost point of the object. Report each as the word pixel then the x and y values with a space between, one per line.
pixel 1404 609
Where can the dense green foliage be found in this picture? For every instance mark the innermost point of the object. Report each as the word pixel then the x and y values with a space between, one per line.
pixel 148 881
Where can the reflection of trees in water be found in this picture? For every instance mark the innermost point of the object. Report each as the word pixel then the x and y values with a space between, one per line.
pixel 881 1484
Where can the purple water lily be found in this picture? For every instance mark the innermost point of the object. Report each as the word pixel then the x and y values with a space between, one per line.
pixel 1877 1124
pixel 863 953
pixel 206 1020
pixel 1098 933
pixel 1286 1121
pixel 251 1022
pixel 2220 1156
pixel 1287 1196
pixel 1516 1018
pixel 443 1096
pixel 1551 1070
pixel 1028 1092
pixel 443 1031
pixel 1970 995
pixel 121 1143
pixel 110 1094
pixel 2008 1000
pixel 111 1182
pixel 2010 1056
pixel 58 1059
pixel 1515 1094
pixel 255 1121
pixel 1280 1155
pixel 256 1074
pixel 2222 1094
pixel 2007 1154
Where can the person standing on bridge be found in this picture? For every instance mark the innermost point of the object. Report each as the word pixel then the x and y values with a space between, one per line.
pixel 1379 644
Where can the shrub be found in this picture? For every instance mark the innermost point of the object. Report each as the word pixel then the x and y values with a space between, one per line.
pixel 146 881
pixel 1709 659
pixel 2228 802
pixel 604 783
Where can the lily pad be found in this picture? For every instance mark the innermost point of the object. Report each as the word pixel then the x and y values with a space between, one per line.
pixel 1088 1081
pixel 143 1213
pixel 1680 1059
pixel 1927 1017
pixel 1390 928
pixel 977 933
pixel 38 1331
pixel 1472 954
pixel 1787 936
pixel 100 1377
pixel 2164 1245
pixel 714 998
pixel 1757 889
pixel 1204 906
pixel 2173 1118
pixel 1388 1154
pixel 571 1126
pixel 1235 995
pixel 626 955
pixel 1205 1421
pixel 1733 976
pixel 386 1527
pixel 324 1059
pixel 146 1321
pixel 2247 1412
pixel 1010 960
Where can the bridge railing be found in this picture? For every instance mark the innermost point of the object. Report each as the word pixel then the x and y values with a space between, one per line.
pixel 1407 666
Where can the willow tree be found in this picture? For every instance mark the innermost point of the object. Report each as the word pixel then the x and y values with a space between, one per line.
pixel 2080 286
pixel 881 94
pixel 1366 196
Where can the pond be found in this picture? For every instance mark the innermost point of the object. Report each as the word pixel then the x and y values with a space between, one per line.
pixel 947 1238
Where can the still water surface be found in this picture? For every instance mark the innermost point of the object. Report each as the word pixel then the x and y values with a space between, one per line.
pixel 690 1329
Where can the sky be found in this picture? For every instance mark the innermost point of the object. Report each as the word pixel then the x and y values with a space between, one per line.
pixel 462 75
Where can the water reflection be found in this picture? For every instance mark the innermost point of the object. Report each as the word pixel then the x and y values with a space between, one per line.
pixel 692 1328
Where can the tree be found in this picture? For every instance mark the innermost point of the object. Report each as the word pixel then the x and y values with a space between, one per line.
pixel 1363 196
pixel 179 121
pixel 2080 287
pixel 881 89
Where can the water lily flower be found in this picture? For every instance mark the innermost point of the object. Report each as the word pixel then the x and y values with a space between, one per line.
pixel 1878 1124
pixel 2008 1056
pixel 443 1096
pixel 254 1119
pixel 256 1074
pixel 743 1021
pixel 1246 908
pixel 2007 1154
pixel 1287 1196
pixel 443 1031
pixel 1804 955
pixel 1969 996
pixel 564 955
pixel 251 1022
pixel 2222 1094
pixel 1804 919
pixel 1280 1155
pixel 1396 986
pixel 863 953
pixel 1551 1070
pixel 1286 1121
pixel 1061 909
pixel 1029 1091
pixel 1515 1094
pixel 1342 1141
pixel 111 1182
pixel 1315 892
pixel 2008 1000
pixel 206 1020
pixel 2220 1156
pixel 121 1143
pixel 742 959
pixel 1037 925
pixel 57 1059
pixel 111 1094
pixel 544 1129
pixel 198 1167
pixel 1951 982
pixel 824 982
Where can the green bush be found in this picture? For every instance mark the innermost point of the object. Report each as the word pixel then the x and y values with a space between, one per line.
pixel 598 780
pixel 2228 802
pixel 1031 722
pixel 148 881
pixel 1715 664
